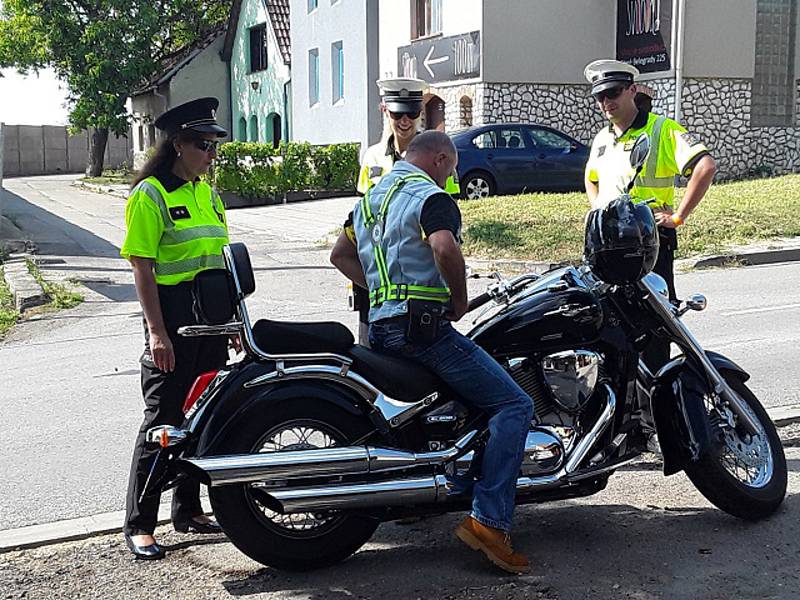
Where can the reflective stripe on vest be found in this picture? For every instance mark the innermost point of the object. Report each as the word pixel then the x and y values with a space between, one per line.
pixel 197 263
pixel 649 179
pixel 387 289
pixel 659 191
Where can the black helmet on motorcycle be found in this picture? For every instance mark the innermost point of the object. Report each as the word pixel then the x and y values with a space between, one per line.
pixel 621 244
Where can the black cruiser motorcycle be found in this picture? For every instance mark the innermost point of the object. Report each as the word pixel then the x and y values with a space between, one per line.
pixel 310 441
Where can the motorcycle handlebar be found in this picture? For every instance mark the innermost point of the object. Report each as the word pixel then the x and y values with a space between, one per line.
pixel 506 288
pixel 478 301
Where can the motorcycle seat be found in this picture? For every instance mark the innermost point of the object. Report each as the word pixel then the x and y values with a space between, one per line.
pixel 277 337
pixel 397 378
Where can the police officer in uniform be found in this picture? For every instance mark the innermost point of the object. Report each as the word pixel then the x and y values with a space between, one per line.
pixel 176 228
pixel 673 151
pixel 401 104
pixel 408 256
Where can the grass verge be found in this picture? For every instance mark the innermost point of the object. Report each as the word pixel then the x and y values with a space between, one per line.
pixel 60 295
pixel 112 177
pixel 549 227
pixel 8 312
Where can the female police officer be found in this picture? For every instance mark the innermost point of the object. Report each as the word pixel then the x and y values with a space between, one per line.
pixel 176 228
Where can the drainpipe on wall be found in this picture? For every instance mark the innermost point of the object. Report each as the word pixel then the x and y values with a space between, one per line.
pixel 679 9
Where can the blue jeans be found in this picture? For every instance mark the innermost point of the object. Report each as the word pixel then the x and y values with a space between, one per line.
pixel 483 383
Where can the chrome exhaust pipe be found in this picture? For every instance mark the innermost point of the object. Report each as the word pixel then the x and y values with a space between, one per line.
pixel 317 462
pixel 425 490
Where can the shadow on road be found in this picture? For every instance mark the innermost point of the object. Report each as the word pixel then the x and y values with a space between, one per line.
pixel 53 234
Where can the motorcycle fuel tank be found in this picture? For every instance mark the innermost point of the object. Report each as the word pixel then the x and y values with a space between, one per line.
pixel 556 312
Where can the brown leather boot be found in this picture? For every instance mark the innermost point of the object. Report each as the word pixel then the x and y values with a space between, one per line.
pixel 494 543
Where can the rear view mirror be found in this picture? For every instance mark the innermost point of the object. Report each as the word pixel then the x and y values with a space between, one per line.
pixel 640 150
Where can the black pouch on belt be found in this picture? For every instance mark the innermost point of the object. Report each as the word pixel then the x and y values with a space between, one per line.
pixel 424 317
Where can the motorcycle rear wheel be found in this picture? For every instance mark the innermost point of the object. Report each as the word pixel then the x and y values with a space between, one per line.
pixel 744 475
pixel 290 542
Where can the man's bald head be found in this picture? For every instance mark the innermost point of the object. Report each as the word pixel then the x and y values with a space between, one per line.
pixel 434 153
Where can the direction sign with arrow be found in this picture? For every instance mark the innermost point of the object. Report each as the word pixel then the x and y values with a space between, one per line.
pixel 442 59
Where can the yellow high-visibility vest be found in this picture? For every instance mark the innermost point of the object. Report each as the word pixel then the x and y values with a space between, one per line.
pixel 183 230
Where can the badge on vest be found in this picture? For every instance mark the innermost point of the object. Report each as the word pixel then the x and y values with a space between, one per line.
pixel 375 172
pixel 600 151
pixel 179 212
pixel 690 139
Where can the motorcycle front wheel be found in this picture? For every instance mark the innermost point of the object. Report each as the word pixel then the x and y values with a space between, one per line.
pixel 744 475
pixel 292 542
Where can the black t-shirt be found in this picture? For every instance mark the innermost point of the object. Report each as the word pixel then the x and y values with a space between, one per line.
pixel 439 212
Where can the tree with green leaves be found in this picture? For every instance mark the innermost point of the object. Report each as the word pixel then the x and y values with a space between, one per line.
pixel 102 49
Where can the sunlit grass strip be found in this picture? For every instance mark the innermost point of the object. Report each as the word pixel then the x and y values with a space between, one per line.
pixel 549 227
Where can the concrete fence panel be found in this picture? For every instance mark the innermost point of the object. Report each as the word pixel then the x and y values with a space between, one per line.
pixel 49 149
pixel 31 150
pixel 54 142
pixel 77 153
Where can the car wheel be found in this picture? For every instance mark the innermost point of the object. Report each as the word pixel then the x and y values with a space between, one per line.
pixel 477 185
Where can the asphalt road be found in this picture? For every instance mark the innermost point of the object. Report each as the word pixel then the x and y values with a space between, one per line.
pixel 69 386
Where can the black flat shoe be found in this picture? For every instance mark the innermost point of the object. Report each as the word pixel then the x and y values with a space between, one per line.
pixel 192 526
pixel 151 552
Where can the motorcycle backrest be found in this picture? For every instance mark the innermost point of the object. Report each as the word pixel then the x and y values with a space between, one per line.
pixel 240 259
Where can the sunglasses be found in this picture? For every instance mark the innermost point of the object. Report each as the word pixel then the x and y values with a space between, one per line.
pixel 611 93
pixel 206 145
pixel 399 115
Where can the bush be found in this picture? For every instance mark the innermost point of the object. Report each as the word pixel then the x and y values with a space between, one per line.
pixel 255 170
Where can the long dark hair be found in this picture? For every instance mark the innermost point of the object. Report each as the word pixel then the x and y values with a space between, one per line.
pixel 164 157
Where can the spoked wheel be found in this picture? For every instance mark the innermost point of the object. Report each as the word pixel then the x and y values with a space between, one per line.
pixel 302 434
pixel 745 475
pixel 293 542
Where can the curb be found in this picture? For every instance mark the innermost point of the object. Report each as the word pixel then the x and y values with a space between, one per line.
pixel 100 188
pixel 27 292
pixel 787 250
pixel 70 530
pixel 35 536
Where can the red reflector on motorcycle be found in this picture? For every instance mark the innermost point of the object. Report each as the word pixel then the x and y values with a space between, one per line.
pixel 198 387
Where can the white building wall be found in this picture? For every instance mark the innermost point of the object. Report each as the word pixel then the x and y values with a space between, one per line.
pixel 458 16
pixel 356 117
pixel 206 75
pixel 545 41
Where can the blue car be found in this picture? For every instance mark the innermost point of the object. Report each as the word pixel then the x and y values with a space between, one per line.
pixel 512 158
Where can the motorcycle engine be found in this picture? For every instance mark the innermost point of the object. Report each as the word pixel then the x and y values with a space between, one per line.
pixel 565 381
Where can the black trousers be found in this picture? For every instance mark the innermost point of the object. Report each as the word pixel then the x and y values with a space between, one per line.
pixel 656 353
pixel 164 394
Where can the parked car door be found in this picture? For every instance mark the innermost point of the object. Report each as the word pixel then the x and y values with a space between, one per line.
pixel 560 160
pixel 509 156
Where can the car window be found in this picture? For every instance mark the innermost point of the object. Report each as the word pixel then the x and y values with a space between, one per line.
pixel 484 140
pixel 499 138
pixel 550 139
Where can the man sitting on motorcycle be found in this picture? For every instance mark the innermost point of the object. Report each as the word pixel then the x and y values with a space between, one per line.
pixel 409 258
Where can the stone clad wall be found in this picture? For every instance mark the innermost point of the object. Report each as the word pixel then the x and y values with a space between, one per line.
pixel 718 110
